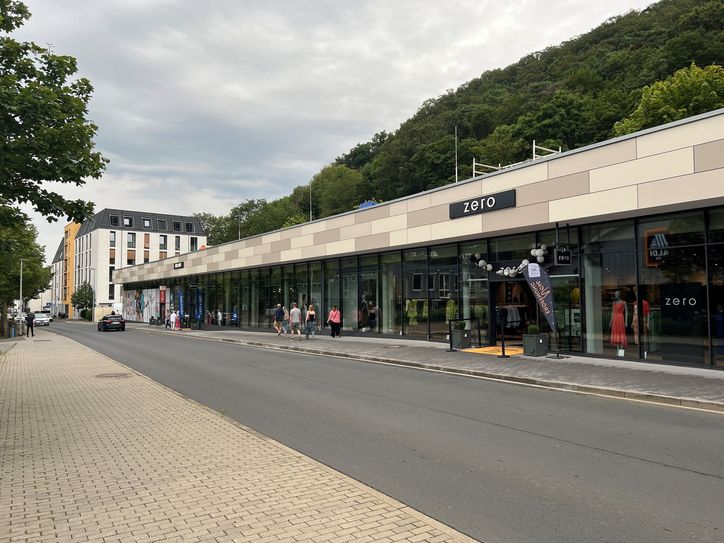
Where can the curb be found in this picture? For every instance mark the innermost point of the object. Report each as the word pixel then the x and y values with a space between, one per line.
pixel 658 399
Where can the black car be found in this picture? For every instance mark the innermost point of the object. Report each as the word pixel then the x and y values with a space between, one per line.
pixel 112 322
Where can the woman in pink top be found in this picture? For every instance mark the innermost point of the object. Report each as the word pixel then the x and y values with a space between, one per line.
pixel 335 320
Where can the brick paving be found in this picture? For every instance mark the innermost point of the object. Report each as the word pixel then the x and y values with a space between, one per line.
pixel 92 451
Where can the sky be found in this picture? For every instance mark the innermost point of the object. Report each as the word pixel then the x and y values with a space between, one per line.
pixel 201 105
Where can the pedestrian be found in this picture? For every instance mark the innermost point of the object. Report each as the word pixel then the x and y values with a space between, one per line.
pixel 285 322
pixel 278 319
pixel 219 317
pixel 29 328
pixel 335 320
pixel 168 322
pixel 295 320
pixel 172 320
pixel 311 321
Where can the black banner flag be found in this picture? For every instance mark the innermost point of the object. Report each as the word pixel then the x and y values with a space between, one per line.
pixel 540 284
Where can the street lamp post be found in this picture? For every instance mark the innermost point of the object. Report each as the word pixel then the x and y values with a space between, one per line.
pixel 93 293
pixel 20 312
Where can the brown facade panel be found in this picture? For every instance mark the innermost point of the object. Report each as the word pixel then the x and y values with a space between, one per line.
pixel 375 242
pixel 326 237
pixel 281 245
pixel 553 189
pixel 593 158
pixel 431 215
pixel 253 242
pixel 372 214
pixel 271 258
pixel 709 156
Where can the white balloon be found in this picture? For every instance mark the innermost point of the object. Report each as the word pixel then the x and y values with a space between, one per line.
pixel 538 252
pixel 477 255
pixel 525 262
pixel 540 259
pixel 532 252
pixel 543 246
pixel 489 267
pixel 481 264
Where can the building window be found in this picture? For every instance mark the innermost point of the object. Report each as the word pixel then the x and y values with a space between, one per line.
pixel 147 223
pixel 113 238
pixel 161 223
pixel 131 258
pixel 111 292
pixel 162 255
pixel 146 241
pixel 131 239
pixel 112 256
pixel 146 257
pixel 194 244
pixel 416 281
pixel 177 243
pixel 177 226
pixel 114 220
pixel 128 222
pixel 110 273
pixel 163 242
pixel 189 227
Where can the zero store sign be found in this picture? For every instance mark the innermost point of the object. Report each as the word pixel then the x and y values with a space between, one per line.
pixel 482 204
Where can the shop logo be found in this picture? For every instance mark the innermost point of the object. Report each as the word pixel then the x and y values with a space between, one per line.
pixel 482 204
pixel 657 246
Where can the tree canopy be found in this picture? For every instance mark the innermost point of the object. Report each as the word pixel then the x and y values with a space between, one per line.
pixel 83 297
pixel 44 133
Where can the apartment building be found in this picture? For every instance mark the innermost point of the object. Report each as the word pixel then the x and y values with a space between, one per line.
pixel 116 238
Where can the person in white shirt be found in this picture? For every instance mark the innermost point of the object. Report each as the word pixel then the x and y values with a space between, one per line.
pixel 295 320
pixel 172 319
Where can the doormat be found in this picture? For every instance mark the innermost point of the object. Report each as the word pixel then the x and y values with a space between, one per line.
pixel 495 350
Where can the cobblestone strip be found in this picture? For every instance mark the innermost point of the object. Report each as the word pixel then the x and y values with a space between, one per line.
pixel 92 451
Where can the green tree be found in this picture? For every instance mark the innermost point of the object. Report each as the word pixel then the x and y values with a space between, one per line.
pixel 217 228
pixel 44 133
pixel 83 296
pixel 335 189
pixel 19 241
pixel 688 92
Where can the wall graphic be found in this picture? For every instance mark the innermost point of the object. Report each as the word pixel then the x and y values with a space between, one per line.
pixel 141 305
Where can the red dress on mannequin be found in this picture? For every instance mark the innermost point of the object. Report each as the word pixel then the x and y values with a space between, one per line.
pixel 618 326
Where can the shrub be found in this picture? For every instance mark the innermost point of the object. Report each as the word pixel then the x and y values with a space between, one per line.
pixel 533 329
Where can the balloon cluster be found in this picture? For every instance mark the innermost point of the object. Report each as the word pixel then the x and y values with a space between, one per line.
pixel 512 272
pixel 478 261
pixel 540 252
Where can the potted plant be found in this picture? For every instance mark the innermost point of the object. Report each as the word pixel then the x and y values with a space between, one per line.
pixel 535 343
pixel 461 338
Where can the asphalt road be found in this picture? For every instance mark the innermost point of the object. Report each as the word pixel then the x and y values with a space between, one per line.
pixel 501 463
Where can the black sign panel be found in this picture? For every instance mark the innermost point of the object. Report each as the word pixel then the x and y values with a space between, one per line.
pixel 563 256
pixel 482 204
pixel 178 265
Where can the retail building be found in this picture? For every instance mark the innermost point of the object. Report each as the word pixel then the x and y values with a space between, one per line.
pixel 636 223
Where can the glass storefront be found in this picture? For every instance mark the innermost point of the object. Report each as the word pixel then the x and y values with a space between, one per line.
pixel 651 289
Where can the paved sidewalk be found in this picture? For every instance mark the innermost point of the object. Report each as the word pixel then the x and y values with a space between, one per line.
pixel 645 381
pixel 92 451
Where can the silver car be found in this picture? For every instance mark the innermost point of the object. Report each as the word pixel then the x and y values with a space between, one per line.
pixel 42 318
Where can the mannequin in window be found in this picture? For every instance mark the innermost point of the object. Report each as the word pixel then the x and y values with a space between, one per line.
pixel 619 318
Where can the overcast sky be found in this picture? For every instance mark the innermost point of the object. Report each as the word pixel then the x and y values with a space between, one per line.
pixel 201 104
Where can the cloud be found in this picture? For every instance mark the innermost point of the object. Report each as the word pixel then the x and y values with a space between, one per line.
pixel 200 105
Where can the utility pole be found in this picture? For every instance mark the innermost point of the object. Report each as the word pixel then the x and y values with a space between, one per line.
pixel 20 312
pixel 456 153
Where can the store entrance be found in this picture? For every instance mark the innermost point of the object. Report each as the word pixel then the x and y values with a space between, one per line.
pixel 516 297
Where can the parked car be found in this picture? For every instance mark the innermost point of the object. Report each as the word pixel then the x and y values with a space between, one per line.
pixel 112 322
pixel 42 318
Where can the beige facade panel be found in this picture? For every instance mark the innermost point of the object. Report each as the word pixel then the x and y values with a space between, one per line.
pixel 355 231
pixel 281 245
pixel 314 227
pixel 419 234
pixel 252 242
pixel 517 217
pixel 262 249
pixel 451 229
pixel 671 164
pixel 418 202
pixel 398 237
pixel 396 222
pixel 214 266
pixel 271 258
pixel 302 241
pixel 292 255
pixel 340 247
pixel 315 251
pixel 598 157
pixel 271 237
pixel 378 242
pixel 511 179
pixel 684 135
pixel 326 237
pixel 398 208
pixel 372 213
pixel 253 261
pixel 709 156
pixel 236 263
pixel 592 205
pixel 432 215
pixel 553 189
pixel 247 251
pixel 460 191
pixel 688 188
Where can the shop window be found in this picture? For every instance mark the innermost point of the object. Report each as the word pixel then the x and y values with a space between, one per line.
pixel 716 225
pixel 416 281
pixel 658 234
pixel 128 222
pixel 161 223
pixel 131 239
pixel 114 220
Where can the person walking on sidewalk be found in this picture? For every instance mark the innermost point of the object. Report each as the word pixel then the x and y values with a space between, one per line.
pixel 172 320
pixel 278 319
pixel 168 322
pixel 311 321
pixel 295 319
pixel 29 320
pixel 285 322
pixel 335 320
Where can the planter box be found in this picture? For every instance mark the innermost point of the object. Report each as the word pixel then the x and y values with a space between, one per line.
pixel 535 344
pixel 461 339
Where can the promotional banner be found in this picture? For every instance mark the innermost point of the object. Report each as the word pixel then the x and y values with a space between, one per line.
pixel 540 284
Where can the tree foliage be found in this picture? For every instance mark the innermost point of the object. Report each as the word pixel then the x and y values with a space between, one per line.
pixel 44 133
pixel 83 297
pixel 688 92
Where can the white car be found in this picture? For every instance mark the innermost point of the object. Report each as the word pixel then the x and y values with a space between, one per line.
pixel 42 318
